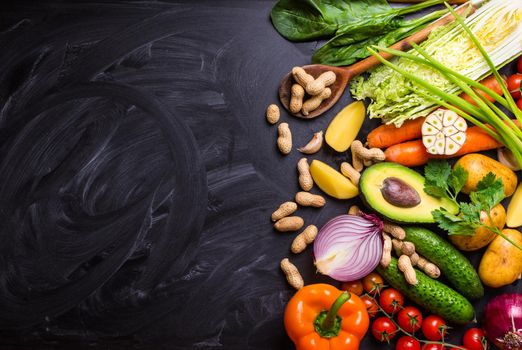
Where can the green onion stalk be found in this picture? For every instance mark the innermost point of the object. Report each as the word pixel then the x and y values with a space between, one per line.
pixel 483 113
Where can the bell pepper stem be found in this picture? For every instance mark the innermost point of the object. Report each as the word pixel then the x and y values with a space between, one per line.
pixel 329 321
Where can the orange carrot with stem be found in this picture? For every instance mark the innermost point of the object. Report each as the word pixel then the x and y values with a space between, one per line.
pixel 413 153
pixel 388 135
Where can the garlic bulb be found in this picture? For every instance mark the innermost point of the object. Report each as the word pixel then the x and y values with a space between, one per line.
pixel 444 132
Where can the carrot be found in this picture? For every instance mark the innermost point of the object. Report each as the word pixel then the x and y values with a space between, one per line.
pixel 410 153
pixel 489 82
pixel 388 135
pixel 413 153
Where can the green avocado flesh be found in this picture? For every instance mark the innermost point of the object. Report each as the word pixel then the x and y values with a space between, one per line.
pixel 370 186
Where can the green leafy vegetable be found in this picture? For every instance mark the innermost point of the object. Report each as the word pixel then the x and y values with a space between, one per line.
pixel 441 181
pixel 355 24
pixel 351 41
pixel 299 20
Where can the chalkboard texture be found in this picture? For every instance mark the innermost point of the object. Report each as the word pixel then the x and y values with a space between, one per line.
pixel 138 175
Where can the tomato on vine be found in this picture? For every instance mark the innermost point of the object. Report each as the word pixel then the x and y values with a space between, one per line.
pixel 383 329
pixel 354 287
pixel 434 328
pixel 474 339
pixel 391 300
pixel 407 343
pixel 373 283
pixel 410 319
pixel 371 305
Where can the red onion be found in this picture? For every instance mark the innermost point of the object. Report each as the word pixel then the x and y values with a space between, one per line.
pixel 503 321
pixel 349 247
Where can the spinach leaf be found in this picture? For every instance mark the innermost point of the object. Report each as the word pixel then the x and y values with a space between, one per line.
pixel 299 20
pixel 350 43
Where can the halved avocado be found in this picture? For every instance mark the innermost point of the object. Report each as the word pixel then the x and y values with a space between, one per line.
pixel 370 186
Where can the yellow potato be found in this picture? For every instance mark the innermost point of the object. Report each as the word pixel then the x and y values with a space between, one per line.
pixel 514 211
pixel 502 262
pixel 331 181
pixel 345 126
pixel 478 166
pixel 482 236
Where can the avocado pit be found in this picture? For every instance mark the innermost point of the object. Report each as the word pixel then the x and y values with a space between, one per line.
pixel 400 194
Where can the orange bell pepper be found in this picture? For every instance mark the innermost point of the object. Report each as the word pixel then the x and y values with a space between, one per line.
pixel 321 317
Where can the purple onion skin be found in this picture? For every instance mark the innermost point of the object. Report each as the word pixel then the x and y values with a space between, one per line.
pixel 503 321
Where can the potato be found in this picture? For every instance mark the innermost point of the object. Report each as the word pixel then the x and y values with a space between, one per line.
pixel 502 262
pixel 513 216
pixel 478 166
pixel 332 182
pixel 345 126
pixel 482 236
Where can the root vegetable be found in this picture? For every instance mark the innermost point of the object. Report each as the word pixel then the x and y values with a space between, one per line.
pixel 314 145
pixel 284 141
pixel 506 157
pixel 514 217
pixel 284 210
pixel 307 199
pixel 315 101
pixel 413 153
pixel 331 181
pixel 318 85
pixel 387 135
pixel 345 126
pixel 296 100
pixel 406 268
pixel 301 77
pixel 386 250
pixel 304 238
pixel 273 114
pixel 305 178
pixel 289 223
pixel 348 170
pixel 292 274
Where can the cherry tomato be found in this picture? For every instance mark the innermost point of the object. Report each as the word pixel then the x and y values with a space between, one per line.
pixel 519 65
pixel 433 347
pixel 373 283
pixel 410 319
pixel 474 339
pixel 519 103
pixel 407 343
pixel 354 287
pixel 391 300
pixel 433 328
pixel 461 347
pixel 383 329
pixel 371 305
pixel 513 84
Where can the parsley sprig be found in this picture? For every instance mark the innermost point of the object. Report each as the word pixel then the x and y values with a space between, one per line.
pixel 444 182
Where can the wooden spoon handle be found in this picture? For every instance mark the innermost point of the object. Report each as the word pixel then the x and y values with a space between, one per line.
pixel 405 44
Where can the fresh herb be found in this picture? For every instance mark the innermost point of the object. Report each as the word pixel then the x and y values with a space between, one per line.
pixel 443 182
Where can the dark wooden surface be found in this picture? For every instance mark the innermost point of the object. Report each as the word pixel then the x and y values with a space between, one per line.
pixel 138 175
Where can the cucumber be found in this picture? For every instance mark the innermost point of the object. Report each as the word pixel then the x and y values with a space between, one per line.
pixel 430 294
pixel 455 267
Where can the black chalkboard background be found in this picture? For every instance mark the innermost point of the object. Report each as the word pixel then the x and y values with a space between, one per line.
pixel 138 175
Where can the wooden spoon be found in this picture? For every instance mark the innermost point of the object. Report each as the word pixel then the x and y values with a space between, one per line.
pixel 345 74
